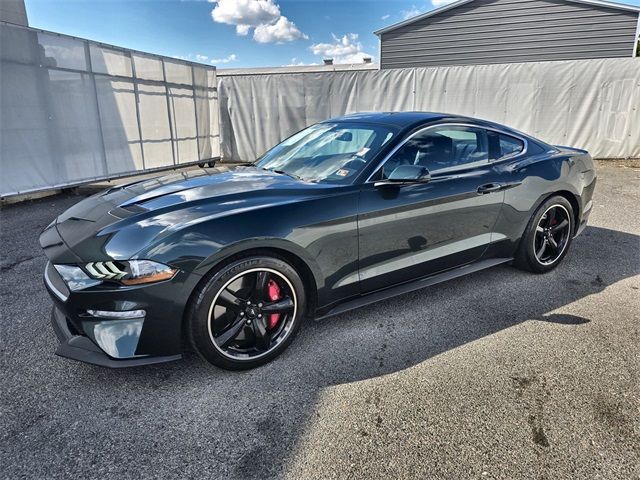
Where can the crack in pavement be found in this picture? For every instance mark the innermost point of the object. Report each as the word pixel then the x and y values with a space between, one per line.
pixel 19 261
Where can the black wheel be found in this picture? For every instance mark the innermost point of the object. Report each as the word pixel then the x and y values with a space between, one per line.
pixel 247 312
pixel 548 236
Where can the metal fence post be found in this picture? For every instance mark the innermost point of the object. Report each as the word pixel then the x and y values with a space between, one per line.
pixel 87 54
pixel 195 109
pixel 166 90
pixel 136 96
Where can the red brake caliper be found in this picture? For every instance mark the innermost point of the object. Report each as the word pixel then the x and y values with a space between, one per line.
pixel 273 291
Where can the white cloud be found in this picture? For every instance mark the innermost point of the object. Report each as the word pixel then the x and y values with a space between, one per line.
pixel 250 13
pixel 204 58
pixel 384 17
pixel 262 15
pixel 412 12
pixel 243 30
pixel 228 59
pixel 440 3
pixel 345 49
pixel 299 63
pixel 283 30
pixel 190 57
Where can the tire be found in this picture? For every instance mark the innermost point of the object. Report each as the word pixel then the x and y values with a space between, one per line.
pixel 528 256
pixel 206 330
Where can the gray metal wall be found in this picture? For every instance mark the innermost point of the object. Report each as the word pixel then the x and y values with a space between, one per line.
pixel 505 31
pixel 13 11
pixel 590 104
pixel 73 111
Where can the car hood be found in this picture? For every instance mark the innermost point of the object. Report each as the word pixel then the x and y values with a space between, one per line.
pixel 148 209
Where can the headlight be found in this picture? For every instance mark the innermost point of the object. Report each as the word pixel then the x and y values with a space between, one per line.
pixel 132 272
pixel 75 278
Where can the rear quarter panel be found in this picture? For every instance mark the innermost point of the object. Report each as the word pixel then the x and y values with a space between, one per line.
pixel 569 172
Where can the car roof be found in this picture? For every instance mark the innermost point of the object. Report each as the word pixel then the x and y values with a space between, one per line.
pixel 398 119
pixel 407 121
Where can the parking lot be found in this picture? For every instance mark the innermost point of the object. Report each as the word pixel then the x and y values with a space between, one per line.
pixel 502 374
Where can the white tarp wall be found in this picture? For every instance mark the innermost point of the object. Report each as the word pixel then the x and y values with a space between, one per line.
pixel 591 104
pixel 72 111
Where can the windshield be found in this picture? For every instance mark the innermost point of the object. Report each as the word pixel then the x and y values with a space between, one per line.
pixel 327 152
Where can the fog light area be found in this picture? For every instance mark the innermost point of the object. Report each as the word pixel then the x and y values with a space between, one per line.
pixel 118 338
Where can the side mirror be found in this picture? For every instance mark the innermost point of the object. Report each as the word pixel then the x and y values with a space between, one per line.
pixel 406 174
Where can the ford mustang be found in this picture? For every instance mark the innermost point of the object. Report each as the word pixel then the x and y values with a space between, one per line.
pixel 230 260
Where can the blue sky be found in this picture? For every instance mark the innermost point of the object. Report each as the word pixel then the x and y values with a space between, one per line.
pixel 187 29
pixel 232 33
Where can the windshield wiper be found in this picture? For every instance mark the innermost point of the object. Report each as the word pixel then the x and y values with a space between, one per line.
pixel 292 175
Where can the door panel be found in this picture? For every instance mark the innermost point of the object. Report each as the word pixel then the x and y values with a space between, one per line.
pixel 416 230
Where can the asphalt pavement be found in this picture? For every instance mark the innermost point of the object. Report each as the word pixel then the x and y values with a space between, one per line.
pixel 501 374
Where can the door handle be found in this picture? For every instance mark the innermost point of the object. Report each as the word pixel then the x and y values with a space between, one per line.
pixel 490 187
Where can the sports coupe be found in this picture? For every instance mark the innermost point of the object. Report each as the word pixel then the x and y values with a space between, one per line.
pixel 230 260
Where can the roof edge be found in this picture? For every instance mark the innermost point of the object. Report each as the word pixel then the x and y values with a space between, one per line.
pixel 459 3
pixel 339 67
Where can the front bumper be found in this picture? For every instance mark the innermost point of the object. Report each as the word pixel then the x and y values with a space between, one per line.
pixel 82 349
pixel 155 337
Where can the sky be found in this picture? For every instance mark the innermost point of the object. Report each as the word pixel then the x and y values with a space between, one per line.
pixel 233 33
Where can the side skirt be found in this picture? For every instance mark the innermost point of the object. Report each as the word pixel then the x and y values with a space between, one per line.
pixel 412 286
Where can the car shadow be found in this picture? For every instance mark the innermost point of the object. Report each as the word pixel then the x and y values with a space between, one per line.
pixel 272 404
pixel 411 328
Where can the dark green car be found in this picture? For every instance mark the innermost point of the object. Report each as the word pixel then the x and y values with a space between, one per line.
pixel 344 213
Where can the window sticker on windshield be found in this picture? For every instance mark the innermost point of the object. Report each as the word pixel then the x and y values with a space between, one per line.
pixel 343 172
pixel 362 152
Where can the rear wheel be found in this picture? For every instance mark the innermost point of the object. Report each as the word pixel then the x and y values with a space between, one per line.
pixel 548 236
pixel 247 313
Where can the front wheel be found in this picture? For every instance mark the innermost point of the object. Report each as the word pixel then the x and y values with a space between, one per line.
pixel 247 312
pixel 548 236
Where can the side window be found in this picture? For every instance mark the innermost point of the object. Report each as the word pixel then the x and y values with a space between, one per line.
pixel 510 145
pixel 504 145
pixel 442 148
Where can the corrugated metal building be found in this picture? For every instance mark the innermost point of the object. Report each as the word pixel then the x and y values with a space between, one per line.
pixel 13 11
pixel 471 32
